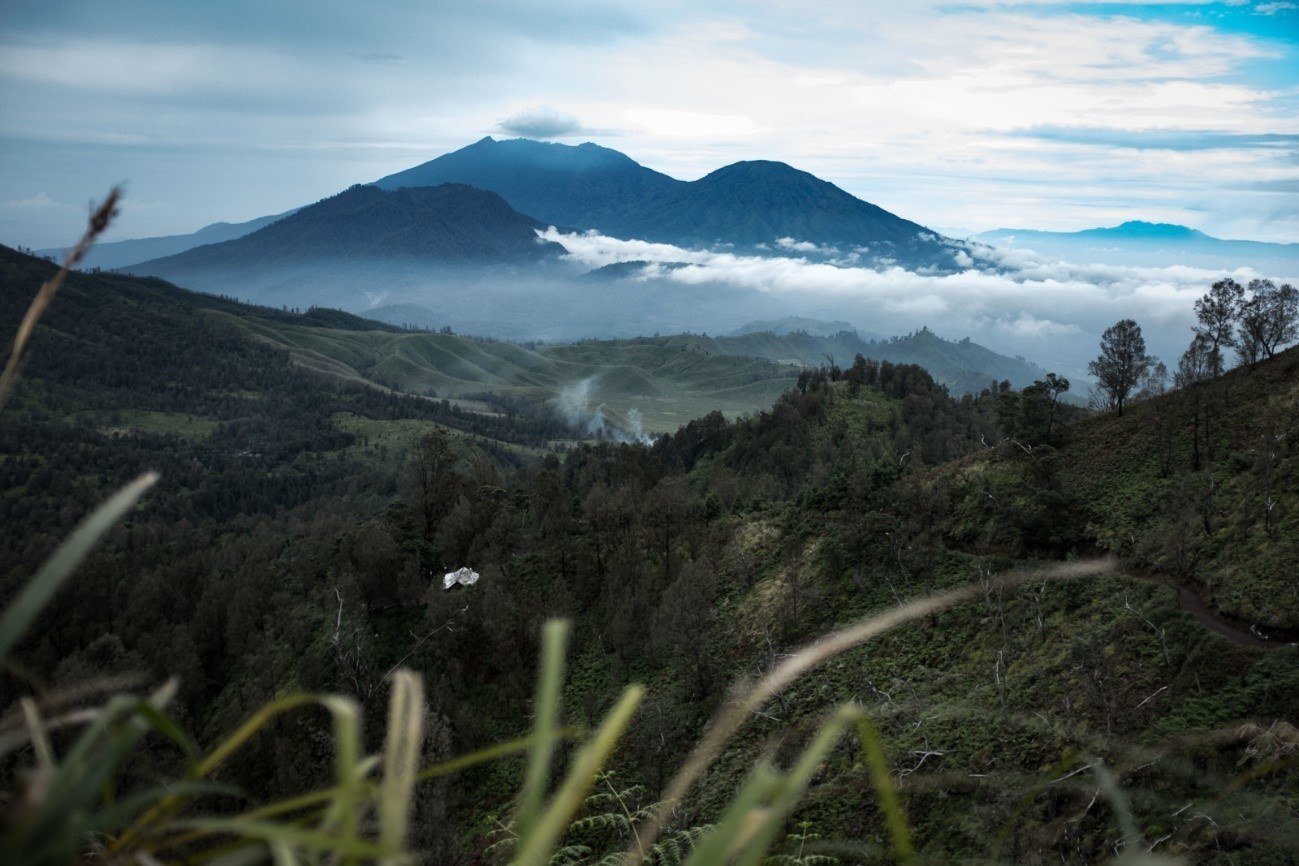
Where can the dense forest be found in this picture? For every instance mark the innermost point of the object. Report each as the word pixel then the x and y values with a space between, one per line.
pixel 299 535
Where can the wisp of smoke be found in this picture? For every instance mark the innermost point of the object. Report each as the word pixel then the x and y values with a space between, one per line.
pixel 574 404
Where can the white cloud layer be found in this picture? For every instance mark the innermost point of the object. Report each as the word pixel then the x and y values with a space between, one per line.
pixel 1051 311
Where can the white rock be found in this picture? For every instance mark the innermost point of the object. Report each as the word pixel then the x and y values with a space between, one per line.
pixel 463 577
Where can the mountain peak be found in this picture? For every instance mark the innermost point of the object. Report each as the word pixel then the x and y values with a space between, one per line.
pixel 578 185
pixel 762 169
pixel 1143 229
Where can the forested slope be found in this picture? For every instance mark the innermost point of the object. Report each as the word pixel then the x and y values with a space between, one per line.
pixel 298 553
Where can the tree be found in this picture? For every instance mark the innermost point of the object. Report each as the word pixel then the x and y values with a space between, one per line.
pixel 1193 368
pixel 1155 382
pixel 1217 312
pixel 433 465
pixel 1052 387
pixel 1028 417
pixel 1268 320
pixel 1122 364
pixel 680 624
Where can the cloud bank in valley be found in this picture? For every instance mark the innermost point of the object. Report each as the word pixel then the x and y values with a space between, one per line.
pixel 1013 300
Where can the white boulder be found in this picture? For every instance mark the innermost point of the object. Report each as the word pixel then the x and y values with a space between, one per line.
pixel 461 577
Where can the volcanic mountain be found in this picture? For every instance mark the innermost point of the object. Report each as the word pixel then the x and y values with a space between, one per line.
pixel 752 203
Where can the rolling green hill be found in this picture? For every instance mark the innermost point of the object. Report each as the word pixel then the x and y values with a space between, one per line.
pixel 667 380
pixel 963 366
pixel 1200 485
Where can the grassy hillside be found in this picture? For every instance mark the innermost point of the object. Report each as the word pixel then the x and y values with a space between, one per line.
pixel 1201 485
pixel 668 381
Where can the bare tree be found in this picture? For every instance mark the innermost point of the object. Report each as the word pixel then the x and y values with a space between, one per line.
pixel 1123 362
pixel 1217 312
pixel 1268 320
pixel 1194 368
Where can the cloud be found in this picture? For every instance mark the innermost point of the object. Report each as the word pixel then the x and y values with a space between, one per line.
pixel 40 200
pixel 1028 325
pixel 1179 140
pixel 691 124
pixel 919 107
pixel 1048 309
pixel 540 122
pixel 1275 7
pixel 796 246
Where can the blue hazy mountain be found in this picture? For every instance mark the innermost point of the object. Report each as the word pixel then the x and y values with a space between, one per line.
pixel 747 203
pixel 121 253
pixel 1152 245
pixel 585 186
pixel 750 204
pixel 360 234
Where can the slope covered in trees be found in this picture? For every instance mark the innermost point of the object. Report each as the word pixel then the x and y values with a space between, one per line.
pixel 297 547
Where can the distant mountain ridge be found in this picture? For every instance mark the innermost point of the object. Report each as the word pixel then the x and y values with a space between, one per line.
pixel 752 203
pixel 117 254
pixel 1146 230
pixel 1137 242
pixel 963 366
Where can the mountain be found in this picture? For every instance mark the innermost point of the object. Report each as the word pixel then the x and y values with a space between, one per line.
pixel 747 203
pixel 1149 244
pixel 585 186
pixel 121 253
pixel 760 202
pixel 1141 230
pixel 793 324
pixel 447 225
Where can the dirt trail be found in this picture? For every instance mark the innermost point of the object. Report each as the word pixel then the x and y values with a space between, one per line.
pixel 1191 602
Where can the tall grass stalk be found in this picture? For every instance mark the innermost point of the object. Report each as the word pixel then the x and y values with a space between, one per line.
pixel 100 218
pixel 746 697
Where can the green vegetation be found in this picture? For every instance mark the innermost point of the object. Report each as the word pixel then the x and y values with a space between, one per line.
pixel 668 381
pixel 1020 708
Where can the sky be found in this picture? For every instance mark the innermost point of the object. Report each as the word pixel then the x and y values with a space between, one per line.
pixel 963 116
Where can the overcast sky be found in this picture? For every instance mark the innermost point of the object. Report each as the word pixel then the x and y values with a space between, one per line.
pixel 966 115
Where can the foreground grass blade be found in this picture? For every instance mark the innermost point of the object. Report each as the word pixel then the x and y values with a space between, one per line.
pixel 58 568
pixel 317 798
pixel 890 805
pixel 746 698
pixel 289 836
pixel 536 848
pixel 401 757
pixel 792 787
pixel 345 812
pixel 203 768
pixel 730 830
pixel 99 220
pixel 546 713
